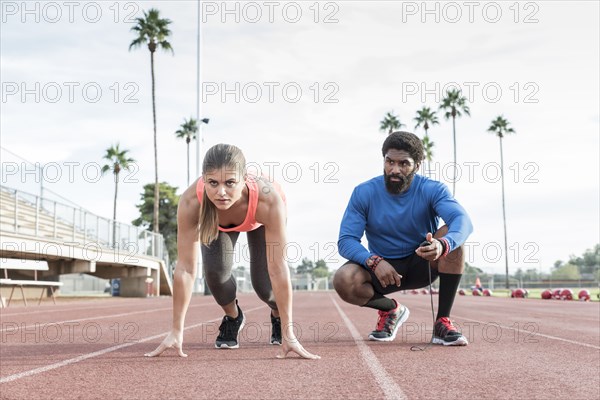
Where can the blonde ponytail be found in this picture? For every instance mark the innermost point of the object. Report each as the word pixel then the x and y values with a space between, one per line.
pixel 208 228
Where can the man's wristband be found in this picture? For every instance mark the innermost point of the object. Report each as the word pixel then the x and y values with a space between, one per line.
pixel 445 247
pixel 372 262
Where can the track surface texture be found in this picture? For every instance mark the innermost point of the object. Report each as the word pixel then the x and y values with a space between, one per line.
pixel 93 349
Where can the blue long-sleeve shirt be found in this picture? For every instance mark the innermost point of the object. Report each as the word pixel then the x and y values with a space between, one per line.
pixel 395 225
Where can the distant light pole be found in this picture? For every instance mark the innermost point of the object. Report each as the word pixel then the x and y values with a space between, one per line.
pixel 199 138
pixel 198 84
pixel 41 167
pixel 199 273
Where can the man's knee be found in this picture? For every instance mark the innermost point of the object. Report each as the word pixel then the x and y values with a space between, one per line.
pixel 341 280
pixel 454 262
pixel 347 281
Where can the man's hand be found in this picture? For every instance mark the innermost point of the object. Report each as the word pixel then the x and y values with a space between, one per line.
pixel 431 252
pixel 386 274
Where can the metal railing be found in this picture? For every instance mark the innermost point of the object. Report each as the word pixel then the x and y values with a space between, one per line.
pixel 27 214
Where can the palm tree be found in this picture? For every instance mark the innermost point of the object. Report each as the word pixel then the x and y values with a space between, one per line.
pixel 426 117
pixel 500 127
pixel 390 123
pixel 428 147
pixel 188 130
pixel 453 104
pixel 154 31
pixel 117 161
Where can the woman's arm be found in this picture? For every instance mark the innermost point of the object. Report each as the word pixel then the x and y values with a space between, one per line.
pixel 185 269
pixel 271 212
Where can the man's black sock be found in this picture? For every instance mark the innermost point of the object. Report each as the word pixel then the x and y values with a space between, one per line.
pixel 379 302
pixel 448 286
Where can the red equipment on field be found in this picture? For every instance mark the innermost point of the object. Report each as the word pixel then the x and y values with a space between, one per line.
pixel 547 294
pixel 461 292
pixel 519 293
pixel 566 294
pixel 476 292
pixel 584 295
pixel 487 292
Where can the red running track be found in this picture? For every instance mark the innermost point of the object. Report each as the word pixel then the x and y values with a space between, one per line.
pixel 519 348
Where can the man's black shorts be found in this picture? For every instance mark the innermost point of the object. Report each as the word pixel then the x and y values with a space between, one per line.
pixel 414 274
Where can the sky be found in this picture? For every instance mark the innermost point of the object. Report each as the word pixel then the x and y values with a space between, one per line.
pixel 301 88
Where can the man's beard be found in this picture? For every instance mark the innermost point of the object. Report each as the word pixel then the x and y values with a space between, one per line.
pixel 402 185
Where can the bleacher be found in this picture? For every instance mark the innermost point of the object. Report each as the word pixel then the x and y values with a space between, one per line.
pixel 30 217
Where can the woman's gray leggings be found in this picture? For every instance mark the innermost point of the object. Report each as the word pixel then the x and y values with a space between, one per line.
pixel 217 262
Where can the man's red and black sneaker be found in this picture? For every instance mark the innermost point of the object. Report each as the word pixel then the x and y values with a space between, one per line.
pixel 445 333
pixel 389 322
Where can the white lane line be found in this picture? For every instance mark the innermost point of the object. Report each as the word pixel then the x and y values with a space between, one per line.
pixel 14 327
pixel 91 307
pixel 121 303
pixel 526 332
pixel 385 382
pixel 83 357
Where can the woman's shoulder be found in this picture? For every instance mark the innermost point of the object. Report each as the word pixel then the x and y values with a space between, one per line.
pixel 188 205
pixel 271 204
pixel 267 189
pixel 191 195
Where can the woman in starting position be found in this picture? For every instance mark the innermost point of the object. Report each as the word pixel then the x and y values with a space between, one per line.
pixel 223 202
